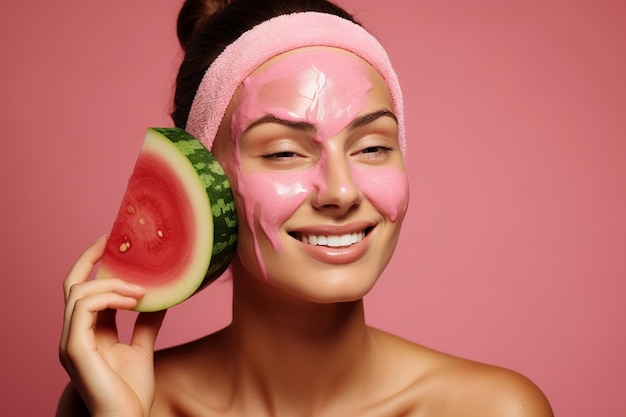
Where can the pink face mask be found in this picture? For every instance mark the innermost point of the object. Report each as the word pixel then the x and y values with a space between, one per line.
pixel 327 90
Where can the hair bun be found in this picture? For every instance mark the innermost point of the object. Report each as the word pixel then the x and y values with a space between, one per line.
pixel 193 14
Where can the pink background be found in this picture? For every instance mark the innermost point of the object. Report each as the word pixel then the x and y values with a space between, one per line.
pixel 513 251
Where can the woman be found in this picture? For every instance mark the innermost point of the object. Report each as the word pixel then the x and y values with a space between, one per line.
pixel 304 112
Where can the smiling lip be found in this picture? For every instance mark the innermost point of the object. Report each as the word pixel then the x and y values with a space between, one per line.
pixel 335 245
pixel 333 236
pixel 333 241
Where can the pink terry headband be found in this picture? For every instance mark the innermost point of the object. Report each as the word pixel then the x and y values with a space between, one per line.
pixel 274 37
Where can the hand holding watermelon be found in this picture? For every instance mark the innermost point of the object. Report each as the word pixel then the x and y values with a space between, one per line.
pixel 114 378
pixel 175 233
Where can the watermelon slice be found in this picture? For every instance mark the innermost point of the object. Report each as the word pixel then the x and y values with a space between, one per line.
pixel 176 229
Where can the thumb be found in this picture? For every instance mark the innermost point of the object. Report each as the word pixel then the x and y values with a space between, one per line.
pixel 146 329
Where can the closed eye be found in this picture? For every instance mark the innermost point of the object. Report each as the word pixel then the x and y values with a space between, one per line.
pixel 374 154
pixel 280 155
pixel 377 149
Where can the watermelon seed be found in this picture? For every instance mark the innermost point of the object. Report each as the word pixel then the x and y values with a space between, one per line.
pixel 159 233
pixel 130 209
pixel 142 221
pixel 124 247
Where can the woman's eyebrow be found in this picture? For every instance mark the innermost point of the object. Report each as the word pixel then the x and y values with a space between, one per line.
pixel 270 118
pixel 306 126
pixel 370 117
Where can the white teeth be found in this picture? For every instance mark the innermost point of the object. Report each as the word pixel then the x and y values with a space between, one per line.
pixel 333 241
pixel 345 240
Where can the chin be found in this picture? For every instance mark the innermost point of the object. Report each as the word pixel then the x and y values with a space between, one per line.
pixel 327 288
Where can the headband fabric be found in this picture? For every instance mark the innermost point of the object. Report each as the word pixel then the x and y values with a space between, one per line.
pixel 274 37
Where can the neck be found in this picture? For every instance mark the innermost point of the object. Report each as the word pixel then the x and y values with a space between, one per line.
pixel 291 352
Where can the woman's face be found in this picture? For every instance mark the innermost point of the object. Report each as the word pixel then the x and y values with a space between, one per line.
pixel 310 144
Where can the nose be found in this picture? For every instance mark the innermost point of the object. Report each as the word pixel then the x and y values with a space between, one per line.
pixel 335 186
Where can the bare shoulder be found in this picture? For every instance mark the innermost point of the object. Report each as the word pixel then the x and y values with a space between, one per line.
pixel 442 384
pixel 479 389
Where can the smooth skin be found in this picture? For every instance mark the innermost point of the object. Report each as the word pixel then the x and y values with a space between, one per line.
pixel 398 378
pixel 294 348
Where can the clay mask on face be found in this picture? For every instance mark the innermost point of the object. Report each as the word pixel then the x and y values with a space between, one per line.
pixel 327 90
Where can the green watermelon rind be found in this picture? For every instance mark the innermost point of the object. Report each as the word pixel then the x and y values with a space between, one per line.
pixel 214 208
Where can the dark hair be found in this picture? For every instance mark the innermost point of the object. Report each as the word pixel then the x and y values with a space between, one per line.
pixel 206 27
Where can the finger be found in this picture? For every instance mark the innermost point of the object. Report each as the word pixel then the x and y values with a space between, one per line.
pixel 91 288
pixel 79 342
pixel 86 289
pixel 84 265
pixel 80 335
pixel 146 329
